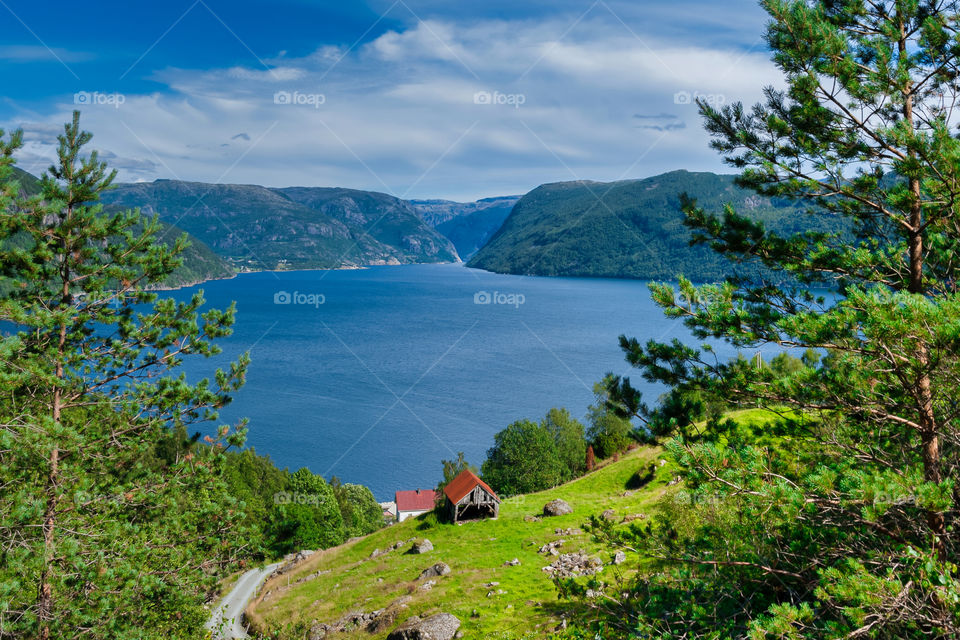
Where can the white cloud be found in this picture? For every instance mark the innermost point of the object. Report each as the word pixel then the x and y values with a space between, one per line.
pixel 401 110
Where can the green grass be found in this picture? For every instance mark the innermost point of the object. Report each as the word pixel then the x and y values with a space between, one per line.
pixel 476 552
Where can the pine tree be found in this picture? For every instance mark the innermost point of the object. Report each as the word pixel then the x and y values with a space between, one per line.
pixel 103 535
pixel 842 523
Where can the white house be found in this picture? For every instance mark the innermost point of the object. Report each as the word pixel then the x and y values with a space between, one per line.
pixel 410 504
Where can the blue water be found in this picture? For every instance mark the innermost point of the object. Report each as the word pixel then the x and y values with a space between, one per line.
pixel 387 371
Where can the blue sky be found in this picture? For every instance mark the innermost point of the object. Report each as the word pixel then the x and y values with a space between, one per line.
pixel 444 99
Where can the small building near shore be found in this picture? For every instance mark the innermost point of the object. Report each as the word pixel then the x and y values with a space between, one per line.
pixel 411 504
pixel 469 497
pixel 389 511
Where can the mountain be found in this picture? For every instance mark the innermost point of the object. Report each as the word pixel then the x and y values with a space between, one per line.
pixel 258 227
pixel 625 229
pixel 199 262
pixel 29 183
pixel 468 225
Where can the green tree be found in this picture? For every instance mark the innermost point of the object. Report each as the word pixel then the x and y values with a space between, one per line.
pixel 571 445
pixel 308 515
pixel 451 469
pixel 849 529
pixel 608 432
pixel 523 459
pixel 99 535
pixel 360 511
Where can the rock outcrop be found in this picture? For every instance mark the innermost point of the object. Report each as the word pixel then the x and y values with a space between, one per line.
pixel 442 626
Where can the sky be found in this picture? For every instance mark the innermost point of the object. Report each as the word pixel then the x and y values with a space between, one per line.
pixel 419 99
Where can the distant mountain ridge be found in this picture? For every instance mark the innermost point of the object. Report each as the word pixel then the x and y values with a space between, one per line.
pixel 627 229
pixel 259 228
pixel 469 225
pixel 198 262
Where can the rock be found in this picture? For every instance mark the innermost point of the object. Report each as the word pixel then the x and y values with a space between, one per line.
pixel 426 586
pixel 574 564
pixel 529 518
pixel 619 557
pixel 551 548
pixel 437 570
pixel 291 560
pixel 421 547
pixel 442 626
pixel 557 507
pixel 609 514
pixel 492 584
pixel 633 516
pixel 568 532
pixel 512 563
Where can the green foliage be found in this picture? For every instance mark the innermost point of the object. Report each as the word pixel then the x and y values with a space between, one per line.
pixel 608 432
pixel 360 511
pixel 308 515
pixel 571 445
pixel 198 262
pixel 838 519
pixel 112 521
pixel 523 459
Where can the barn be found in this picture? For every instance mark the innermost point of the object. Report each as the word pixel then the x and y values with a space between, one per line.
pixel 469 497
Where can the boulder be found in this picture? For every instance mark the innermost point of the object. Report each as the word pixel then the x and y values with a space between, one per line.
pixel 557 507
pixel 421 547
pixel 437 570
pixel 619 557
pixel 609 514
pixel 442 626
pixel 512 563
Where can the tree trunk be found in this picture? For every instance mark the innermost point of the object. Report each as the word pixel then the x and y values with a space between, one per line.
pixel 929 436
pixel 45 600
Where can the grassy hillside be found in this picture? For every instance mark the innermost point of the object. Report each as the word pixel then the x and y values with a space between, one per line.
pixel 476 552
pixel 632 228
pixel 259 228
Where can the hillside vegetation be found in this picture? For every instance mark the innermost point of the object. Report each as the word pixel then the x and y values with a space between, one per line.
pixel 258 228
pixel 524 600
pixel 627 229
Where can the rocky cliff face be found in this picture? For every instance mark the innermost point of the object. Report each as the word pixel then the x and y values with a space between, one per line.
pixel 468 225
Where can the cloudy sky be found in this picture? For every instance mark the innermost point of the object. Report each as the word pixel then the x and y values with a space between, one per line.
pixel 420 99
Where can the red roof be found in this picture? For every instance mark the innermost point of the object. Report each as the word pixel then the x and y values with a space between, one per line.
pixel 463 484
pixel 418 500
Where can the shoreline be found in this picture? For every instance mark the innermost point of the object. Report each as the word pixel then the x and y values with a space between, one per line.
pixel 340 268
